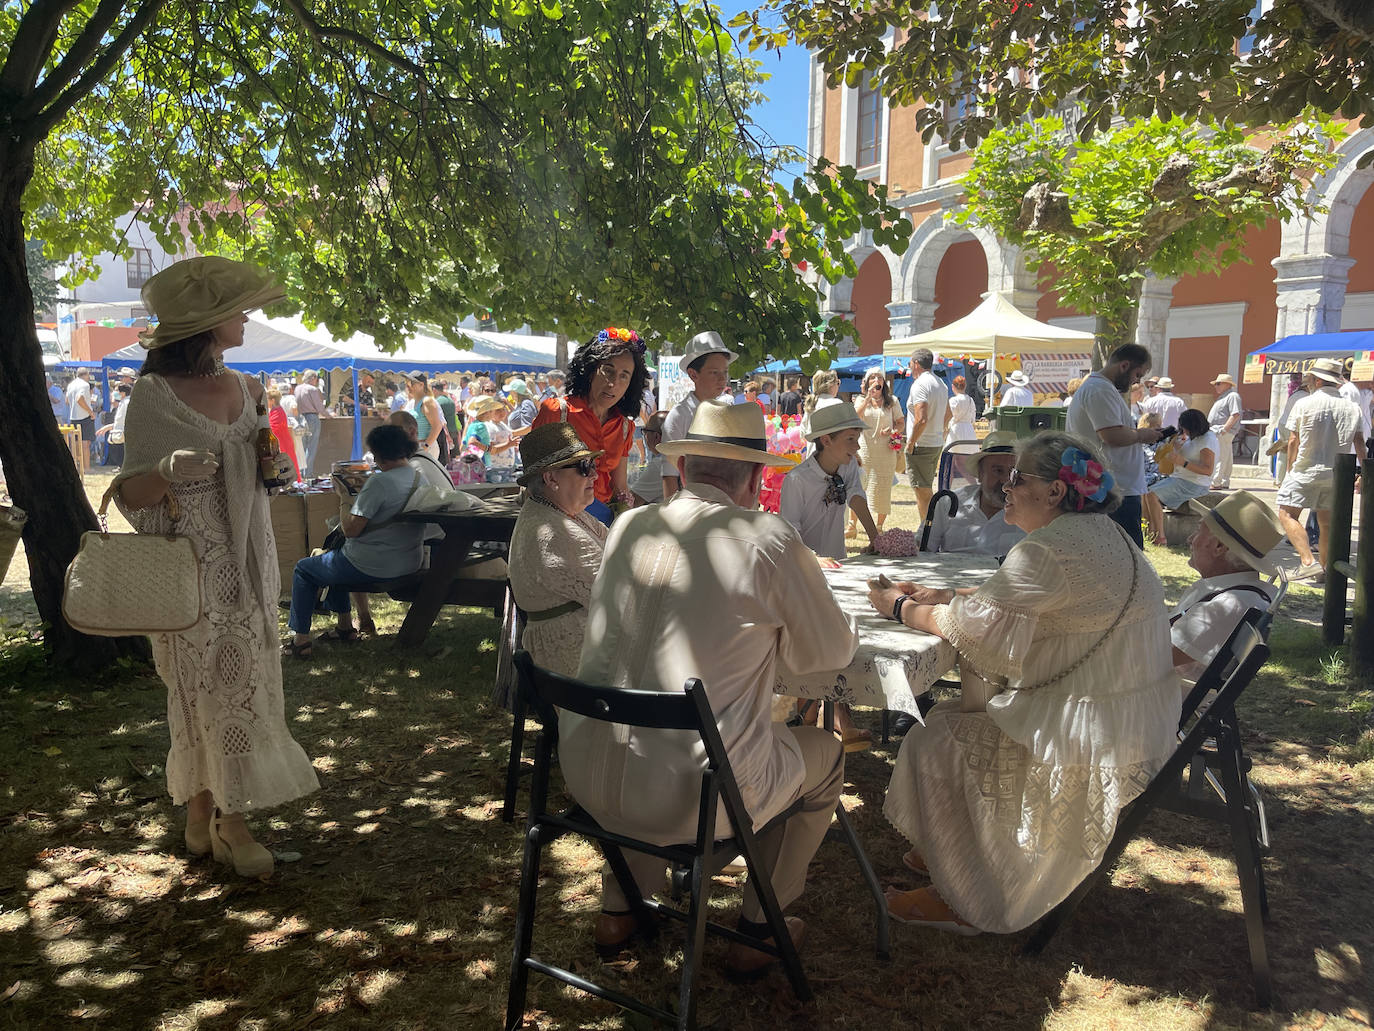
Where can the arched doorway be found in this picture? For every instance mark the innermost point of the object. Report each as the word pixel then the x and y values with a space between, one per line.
pixel 869 299
pixel 961 279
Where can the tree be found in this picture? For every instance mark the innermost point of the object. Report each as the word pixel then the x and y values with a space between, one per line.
pixel 1168 198
pixel 571 163
pixel 1022 58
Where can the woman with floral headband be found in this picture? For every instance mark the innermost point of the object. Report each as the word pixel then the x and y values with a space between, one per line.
pixel 606 380
pixel 1069 705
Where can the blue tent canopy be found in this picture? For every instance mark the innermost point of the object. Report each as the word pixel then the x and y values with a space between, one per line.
pixel 1293 352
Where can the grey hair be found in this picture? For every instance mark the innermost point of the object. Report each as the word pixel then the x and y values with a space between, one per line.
pixel 1042 456
pixel 727 473
pixel 923 356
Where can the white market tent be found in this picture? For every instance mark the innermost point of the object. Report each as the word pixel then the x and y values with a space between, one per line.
pixel 281 345
pixel 994 327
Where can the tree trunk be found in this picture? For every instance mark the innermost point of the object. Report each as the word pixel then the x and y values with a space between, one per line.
pixel 39 470
pixel 560 352
pixel 1114 328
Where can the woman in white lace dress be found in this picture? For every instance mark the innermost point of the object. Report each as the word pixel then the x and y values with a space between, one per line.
pixel 960 414
pixel 882 416
pixel 191 434
pixel 555 549
pixel 1069 706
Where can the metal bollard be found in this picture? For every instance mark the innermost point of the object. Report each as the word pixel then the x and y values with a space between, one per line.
pixel 1362 619
pixel 1338 550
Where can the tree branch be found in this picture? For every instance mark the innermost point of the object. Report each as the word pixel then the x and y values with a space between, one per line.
pixel 322 32
pixel 32 44
pixel 82 50
pixel 1353 16
pixel 44 122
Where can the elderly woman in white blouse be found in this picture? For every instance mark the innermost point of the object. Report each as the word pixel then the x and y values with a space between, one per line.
pixel 555 549
pixel 1069 706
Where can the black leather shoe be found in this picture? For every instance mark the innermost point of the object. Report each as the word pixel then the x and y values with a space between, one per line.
pixel 904 722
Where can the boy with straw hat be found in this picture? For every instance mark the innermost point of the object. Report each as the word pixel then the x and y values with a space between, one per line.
pixel 707 585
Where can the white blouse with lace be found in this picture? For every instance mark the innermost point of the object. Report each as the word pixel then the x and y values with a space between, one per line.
pixel 1012 806
pixel 553 561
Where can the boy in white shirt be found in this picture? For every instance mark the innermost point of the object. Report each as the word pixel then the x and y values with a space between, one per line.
pixel 707 361
pixel 817 493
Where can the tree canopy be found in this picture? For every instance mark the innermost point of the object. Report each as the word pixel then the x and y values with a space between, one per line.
pixel 1016 58
pixel 571 163
pixel 1150 197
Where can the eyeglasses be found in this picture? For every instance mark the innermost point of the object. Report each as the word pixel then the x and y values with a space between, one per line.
pixel 585 466
pixel 1016 476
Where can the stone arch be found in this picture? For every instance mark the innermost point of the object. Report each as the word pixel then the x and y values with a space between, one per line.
pixel 1007 272
pixel 1339 191
pixel 840 297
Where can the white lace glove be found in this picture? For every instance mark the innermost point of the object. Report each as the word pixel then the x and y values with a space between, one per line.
pixel 186 466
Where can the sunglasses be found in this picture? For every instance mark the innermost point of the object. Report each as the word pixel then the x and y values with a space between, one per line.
pixel 585 466
pixel 1016 476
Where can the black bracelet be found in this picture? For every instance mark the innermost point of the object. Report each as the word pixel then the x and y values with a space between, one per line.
pixel 897 606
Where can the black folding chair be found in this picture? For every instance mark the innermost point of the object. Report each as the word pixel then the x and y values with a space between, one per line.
pixel 548 693
pixel 1229 673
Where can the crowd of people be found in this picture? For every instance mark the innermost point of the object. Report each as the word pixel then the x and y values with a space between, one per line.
pixel 1008 795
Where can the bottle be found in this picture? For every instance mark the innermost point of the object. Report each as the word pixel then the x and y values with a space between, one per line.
pixel 268 450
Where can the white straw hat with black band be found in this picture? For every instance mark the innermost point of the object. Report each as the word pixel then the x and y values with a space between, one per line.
pixel 722 430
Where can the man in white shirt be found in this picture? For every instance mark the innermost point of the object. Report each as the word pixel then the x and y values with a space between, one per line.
pixel 706 361
pixel 1230 549
pixel 1351 393
pixel 1164 403
pixel 1099 414
pixel 1224 421
pixel 310 406
pixel 707 585
pixel 925 427
pixel 980 526
pixel 1324 424
pixel 1017 392
pixel 80 405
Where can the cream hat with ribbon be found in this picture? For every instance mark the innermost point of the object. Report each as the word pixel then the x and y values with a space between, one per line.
pixel 1018 379
pixel 999 442
pixel 1165 383
pixel 831 416
pixel 1246 525
pixel 198 294
pixel 481 404
pixel 1328 369
pixel 1225 377
pixel 722 430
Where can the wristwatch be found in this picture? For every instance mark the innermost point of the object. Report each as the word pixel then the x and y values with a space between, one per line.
pixel 897 606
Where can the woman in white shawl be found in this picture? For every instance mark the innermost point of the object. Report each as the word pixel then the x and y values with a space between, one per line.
pixel 1070 705
pixel 191 436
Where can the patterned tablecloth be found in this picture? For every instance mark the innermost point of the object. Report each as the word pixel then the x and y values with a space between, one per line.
pixel 893 663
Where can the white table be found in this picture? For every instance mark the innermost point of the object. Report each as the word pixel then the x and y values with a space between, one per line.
pixel 893 663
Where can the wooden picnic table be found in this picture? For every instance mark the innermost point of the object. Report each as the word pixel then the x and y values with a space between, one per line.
pixel 494 520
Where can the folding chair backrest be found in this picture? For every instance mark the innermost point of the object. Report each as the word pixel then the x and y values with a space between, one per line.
pixel 1222 664
pixel 1267 620
pixel 661 710
pixel 1242 656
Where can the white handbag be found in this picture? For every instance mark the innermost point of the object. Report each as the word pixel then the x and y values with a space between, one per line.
pixel 126 584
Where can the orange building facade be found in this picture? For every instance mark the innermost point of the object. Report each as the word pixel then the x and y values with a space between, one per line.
pixel 1311 275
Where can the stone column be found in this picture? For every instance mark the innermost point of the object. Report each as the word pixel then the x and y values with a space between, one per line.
pixel 1311 294
pixel 1152 320
pixel 1008 276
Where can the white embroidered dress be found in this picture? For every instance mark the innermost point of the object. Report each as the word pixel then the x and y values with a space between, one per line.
pixel 1011 807
pixel 876 456
pixel 553 561
pixel 224 690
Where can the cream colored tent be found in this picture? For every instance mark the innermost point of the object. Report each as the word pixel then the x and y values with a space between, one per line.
pixel 994 327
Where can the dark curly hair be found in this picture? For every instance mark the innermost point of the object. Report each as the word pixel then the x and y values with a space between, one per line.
pixel 590 356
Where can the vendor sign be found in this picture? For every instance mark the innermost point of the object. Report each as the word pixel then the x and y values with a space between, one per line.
pixel 673 382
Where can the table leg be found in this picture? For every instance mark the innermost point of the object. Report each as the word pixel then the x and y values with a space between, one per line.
pixel 444 563
pixel 882 920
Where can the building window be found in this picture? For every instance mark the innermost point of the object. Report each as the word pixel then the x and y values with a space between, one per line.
pixel 870 135
pixel 140 267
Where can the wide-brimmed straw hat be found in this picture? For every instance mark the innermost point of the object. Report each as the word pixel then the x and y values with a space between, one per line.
pixel 1018 378
pixel 1164 383
pixel 831 416
pixel 198 294
pixel 1225 377
pixel 1328 369
pixel 1246 525
pixel 999 442
pixel 481 404
pixel 551 446
pixel 723 430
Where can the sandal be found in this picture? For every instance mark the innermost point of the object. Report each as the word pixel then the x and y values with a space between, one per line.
pixel 855 740
pixel 368 629
pixel 299 651
pixel 337 636
pixel 915 863
pixel 925 908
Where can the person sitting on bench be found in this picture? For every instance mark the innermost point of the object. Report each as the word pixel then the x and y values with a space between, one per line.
pixel 376 547
pixel 1231 550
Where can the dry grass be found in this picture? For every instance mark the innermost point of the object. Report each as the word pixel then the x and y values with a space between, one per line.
pixel 396 910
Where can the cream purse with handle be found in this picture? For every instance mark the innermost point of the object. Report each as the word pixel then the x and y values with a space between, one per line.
pixel 125 584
